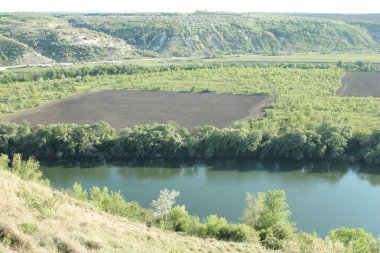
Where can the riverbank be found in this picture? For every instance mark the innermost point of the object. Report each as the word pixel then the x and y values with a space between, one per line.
pixel 34 218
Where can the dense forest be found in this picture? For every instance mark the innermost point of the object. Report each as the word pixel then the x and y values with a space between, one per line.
pixel 97 37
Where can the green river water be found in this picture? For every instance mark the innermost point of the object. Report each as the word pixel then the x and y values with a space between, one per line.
pixel 322 196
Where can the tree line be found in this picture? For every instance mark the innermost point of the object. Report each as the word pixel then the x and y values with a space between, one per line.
pixel 58 73
pixel 327 141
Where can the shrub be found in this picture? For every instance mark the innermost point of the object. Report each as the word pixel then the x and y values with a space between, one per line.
pixel 110 202
pixel 269 239
pixel 28 170
pixel 195 227
pixel 28 228
pixel 45 205
pixel 311 243
pixel 200 230
pixel 4 162
pixel 178 219
pixel 115 203
pixel 355 240
pixel 78 192
pixel 214 224
pixel 238 233
pixel 135 211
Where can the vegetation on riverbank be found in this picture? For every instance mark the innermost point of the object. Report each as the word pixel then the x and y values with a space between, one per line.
pixel 327 141
pixel 50 221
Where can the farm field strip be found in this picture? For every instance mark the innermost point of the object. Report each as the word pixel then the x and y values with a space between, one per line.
pixel 128 108
pixel 360 84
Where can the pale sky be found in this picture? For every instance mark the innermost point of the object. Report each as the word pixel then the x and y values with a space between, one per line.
pixel 316 6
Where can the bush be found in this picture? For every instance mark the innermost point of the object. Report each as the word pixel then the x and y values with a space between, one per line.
pixel 214 224
pixel 78 192
pixel 179 220
pixel 238 233
pixel 115 203
pixel 28 170
pixel 311 243
pixel 270 240
pixel 355 240
pixel 4 162
pixel 28 228
pixel 135 211
pixel 200 230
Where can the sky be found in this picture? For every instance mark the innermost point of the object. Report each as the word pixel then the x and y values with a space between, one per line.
pixel 316 6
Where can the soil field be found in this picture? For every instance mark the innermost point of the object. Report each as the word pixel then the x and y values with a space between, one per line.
pixel 128 108
pixel 360 84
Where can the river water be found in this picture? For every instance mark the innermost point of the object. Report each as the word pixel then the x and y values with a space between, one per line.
pixel 321 196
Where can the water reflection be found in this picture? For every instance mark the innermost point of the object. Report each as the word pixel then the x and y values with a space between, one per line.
pixel 163 169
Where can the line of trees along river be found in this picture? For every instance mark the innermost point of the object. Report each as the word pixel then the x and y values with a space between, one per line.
pixel 328 141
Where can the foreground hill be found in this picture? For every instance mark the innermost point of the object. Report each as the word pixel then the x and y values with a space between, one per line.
pixel 99 37
pixel 34 218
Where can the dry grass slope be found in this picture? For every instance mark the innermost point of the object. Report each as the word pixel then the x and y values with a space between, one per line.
pixel 34 218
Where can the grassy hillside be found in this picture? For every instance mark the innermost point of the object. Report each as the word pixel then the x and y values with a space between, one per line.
pixel 10 50
pixel 55 38
pixel 14 53
pixel 369 22
pixel 208 34
pixel 99 37
pixel 34 218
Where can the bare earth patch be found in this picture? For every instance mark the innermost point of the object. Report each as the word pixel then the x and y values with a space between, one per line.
pixel 128 108
pixel 360 84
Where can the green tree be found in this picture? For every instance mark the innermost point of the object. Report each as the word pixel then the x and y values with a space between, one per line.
pixel 162 206
pixel 355 240
pixel 268 213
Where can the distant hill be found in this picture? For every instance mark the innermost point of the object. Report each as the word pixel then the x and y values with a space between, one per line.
pixel 98 37
pixel 13 52
pixel 54 38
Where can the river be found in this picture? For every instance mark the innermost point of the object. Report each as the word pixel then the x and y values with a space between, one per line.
pixel 321 195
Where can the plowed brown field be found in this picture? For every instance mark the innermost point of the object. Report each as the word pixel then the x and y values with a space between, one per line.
pixel 128 108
